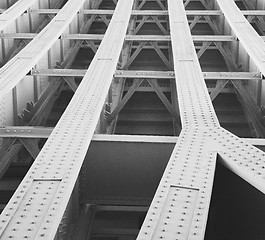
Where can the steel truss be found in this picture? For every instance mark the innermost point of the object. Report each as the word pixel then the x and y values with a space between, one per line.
pixel 180 207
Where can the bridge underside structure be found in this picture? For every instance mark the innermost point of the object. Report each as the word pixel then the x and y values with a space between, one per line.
pixel 125 119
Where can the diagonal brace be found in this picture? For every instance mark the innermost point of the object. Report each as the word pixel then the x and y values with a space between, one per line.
pixel 31 145
pixel 125 99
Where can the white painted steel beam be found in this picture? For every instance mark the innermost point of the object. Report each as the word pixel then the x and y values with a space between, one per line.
pixel 18 35
pixel 188 74
pixel 156 38
pixel 151 12
pixel 180 207
pixel 14 70
pixel 134 12
pixel 182 199
pixel 25 132
pixel 251 41
pixel 99 37
pixel 48 185
pixel 253 12
pixel 15 11
pixel 44 132
pixel 149 74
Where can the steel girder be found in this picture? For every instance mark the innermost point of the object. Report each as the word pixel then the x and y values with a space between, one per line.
pixel 20 44
pixel 179 209
pixel 13 71
pixel 46 100
pixel 14 12
pixel 150 74
pixel 189 174
pixel 44 132
pixel 56 177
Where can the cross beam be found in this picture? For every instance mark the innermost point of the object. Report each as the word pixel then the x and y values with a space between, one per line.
pixel 149 74
pixel 150 12
pixel 99 37
pixel 44 132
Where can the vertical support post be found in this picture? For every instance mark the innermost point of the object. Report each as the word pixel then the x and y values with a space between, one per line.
pixel 15 106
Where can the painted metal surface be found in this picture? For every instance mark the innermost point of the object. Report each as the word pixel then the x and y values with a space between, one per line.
pixel 179 209
pixel 14 70
pixel 151 12
pixel 44 132
pixel 251 41
pixel 15 11
pixel 57 166
pixel 182 200
pixel 155 38
pixel 149 74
